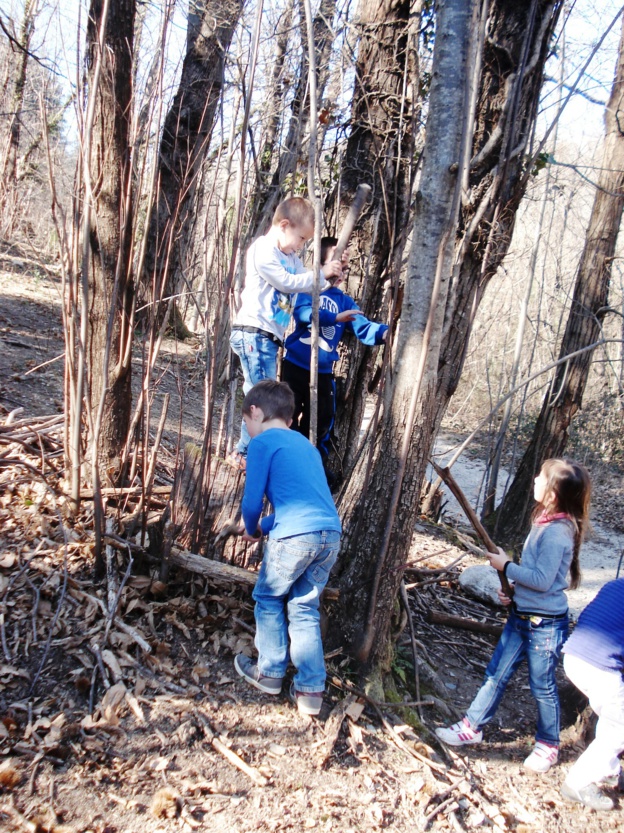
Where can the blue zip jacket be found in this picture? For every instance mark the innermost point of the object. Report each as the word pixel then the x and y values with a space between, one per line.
pixel 287 468
pixel 332 302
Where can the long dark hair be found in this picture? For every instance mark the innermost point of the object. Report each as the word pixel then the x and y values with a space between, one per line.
pixel 568 489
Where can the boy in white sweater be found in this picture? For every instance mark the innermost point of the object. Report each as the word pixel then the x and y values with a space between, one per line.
pixel 273 277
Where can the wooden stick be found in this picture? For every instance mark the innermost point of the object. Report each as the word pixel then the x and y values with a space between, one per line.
pixel 450 481
pixel 333 725
pixel 238 762
pixel 435 617
pixel 225 572
pixel 362 196
pixel 232 757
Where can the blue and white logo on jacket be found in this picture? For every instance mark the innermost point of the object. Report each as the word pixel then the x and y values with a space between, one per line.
pixel 327 334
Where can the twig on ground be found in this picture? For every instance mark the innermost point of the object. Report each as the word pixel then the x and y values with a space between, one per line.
pixel 344 686
pixel 227 753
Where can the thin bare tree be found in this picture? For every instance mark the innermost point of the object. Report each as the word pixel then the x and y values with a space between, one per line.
pixel 564 395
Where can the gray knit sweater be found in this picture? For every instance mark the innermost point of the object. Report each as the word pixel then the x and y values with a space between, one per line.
pixel 541 576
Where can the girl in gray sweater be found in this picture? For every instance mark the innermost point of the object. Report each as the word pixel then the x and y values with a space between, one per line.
pixel 538 619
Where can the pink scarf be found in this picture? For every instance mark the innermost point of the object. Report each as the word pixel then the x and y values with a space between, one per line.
pixel 545 518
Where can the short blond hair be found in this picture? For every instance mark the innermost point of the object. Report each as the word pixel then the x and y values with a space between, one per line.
pixel 297 210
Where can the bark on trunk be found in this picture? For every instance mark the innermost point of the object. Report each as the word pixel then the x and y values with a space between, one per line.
pixel 514 53
pixel 564 396
pixel 110 271
pixel 8 180
pixel 367 501
pixel 185 139
pixel 379 153
pixel 270 195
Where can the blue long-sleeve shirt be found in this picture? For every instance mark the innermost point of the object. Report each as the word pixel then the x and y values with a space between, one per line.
pixel 332 302
pixel 598 637
pixel 287 468
pixel 541 577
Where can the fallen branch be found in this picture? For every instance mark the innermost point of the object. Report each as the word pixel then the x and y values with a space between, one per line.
pixel 435 617
pixel 224 572
pixel 445 474
pixel 334 724
pixel 232 757
pixel 440 768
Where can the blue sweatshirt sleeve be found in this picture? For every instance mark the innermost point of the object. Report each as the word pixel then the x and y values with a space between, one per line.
pixel 302 312
pixel 258 464
pixel 368 332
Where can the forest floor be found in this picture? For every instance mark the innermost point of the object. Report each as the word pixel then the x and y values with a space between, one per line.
pixel 166 745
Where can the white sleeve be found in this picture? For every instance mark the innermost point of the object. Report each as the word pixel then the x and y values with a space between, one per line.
pixel 270 267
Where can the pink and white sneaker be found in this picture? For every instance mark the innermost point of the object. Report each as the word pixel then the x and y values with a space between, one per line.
pixel 542 757
pixel 459 734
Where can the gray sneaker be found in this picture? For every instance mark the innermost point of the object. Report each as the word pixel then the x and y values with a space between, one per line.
pixel 590 796
pixel 248 669
pixel 308 702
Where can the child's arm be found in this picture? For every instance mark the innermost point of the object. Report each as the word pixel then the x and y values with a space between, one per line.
pixel 270 266
pixel 368 332
pixel 302 312
pixel 258 462
pixel 550 549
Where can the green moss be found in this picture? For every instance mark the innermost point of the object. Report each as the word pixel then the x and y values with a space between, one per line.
pixel 393 695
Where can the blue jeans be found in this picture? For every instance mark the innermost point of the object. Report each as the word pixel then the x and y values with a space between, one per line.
pixel 541 646
pixel 258 358
pixel 293 573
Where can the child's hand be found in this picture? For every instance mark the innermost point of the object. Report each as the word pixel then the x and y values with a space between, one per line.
pixel 333 269
pixel 245 536
pixel 502 598
pixel 498 559
pixel 347 315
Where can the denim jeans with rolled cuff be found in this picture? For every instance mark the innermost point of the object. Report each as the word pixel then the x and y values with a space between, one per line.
pixel 540 644
pixel 258 358
pixel 292 576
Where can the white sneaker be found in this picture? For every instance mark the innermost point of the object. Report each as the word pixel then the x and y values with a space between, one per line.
pixel 459 734
pixel 542 757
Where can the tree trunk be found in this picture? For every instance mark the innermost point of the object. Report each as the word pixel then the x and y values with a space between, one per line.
pixel 379 153
pixel 270 195
pixel 110 271
pixel 185 139
pixel 513 57
pixel 564 395
pixel 8 178
pixel 363 615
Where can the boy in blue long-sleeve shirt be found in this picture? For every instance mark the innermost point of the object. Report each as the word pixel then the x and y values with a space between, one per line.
pixel 303 543
pixel 337 312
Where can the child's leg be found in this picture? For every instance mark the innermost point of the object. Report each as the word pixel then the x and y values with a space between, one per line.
pixel 326 411
pixel 306 647
pixel 507 656
pixel 258 358
pixel 298 379
pixel 269 595
pixel 605 690
pixel 543 651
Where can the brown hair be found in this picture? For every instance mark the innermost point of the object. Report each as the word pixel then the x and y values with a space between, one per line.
pixel 297 210
pixel 327 244
pixel 568 489
pixel 275 399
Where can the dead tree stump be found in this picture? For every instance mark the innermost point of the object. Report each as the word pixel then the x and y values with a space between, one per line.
pixel 202 503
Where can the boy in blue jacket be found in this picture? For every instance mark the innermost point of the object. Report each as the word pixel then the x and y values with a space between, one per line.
pixel 303 543
pixel 337 312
